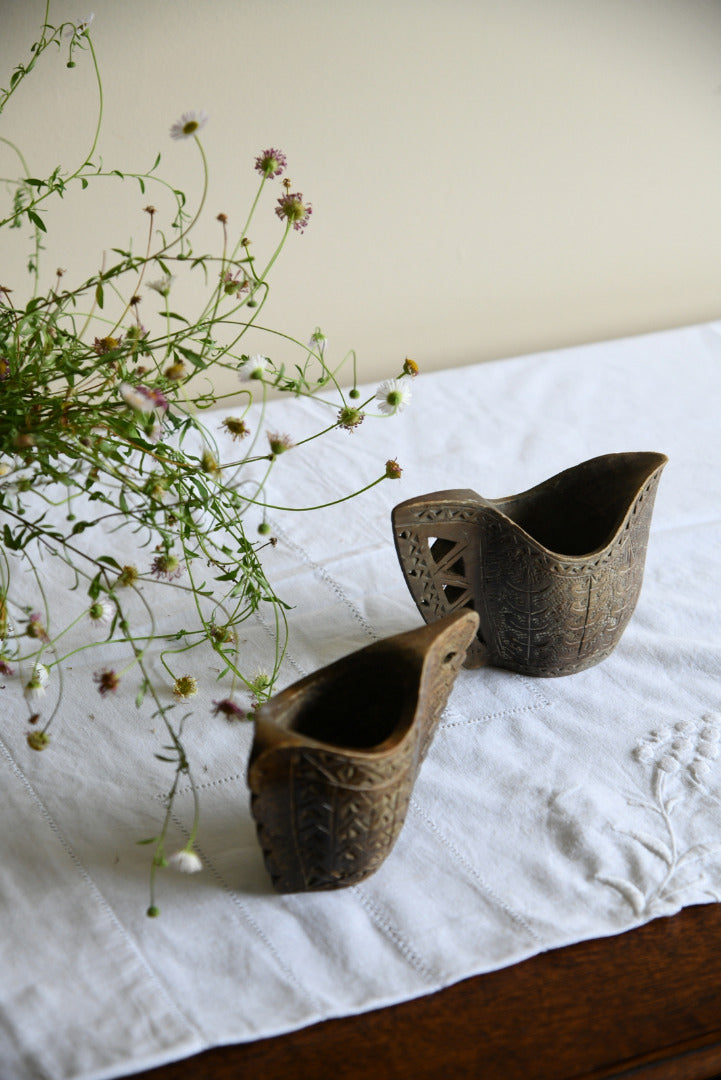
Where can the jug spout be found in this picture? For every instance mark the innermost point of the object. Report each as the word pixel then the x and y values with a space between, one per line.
pixel 554 573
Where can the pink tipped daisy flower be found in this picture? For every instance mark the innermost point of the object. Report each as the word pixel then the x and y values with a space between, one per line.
pixel 271 163
pixel 292 209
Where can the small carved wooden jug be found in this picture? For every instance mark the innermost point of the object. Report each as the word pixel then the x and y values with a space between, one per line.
pixel 336 755
pixel 554 573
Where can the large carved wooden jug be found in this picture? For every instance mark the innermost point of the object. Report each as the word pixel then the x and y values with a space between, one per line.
pixel 554 573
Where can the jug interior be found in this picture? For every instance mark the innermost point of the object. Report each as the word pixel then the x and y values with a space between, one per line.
pixel 358 706
pixel 580 511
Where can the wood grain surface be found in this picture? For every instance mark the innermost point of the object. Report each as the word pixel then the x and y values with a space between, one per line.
pixel 644 1005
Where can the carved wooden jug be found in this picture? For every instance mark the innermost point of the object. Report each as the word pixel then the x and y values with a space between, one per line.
pixel 335 756
pixel 554 573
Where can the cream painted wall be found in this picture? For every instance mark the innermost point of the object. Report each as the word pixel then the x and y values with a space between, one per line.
pixel 489 177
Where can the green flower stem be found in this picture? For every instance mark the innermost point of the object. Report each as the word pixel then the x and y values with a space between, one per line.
pixel 258 486
pixel 299 391
pixel 86 160
pixel 99 122
pixel 248 456
pixel 320 506
pixel 182 766
pixel 211 308
pixel 251 213
pixel 39 48
pixel 139 282
pixel 37 657
pixel 281 622
pixel 94 305
pixel 158 859
pixel 276 253
pixel 191 225
pixel 23 162
pixel 245 326
pixel 148 639
pixel 233 667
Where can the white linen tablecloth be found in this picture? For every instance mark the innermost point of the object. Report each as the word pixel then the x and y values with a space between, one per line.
pixel 548 810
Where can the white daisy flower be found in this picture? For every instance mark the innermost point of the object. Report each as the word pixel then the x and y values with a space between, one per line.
pixel 162 285
pixel 318 342
pixel 82 26
pixel 35 686
pixel 254 367
pixel 101 612
pixel 187 862
pixel 261 680
pixel 189 124
pixel 41 673
pixel 392 396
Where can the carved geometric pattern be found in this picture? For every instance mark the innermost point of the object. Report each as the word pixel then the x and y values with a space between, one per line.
pixel 348 813
pixel 328 816
pixel 438 549
pixel 540 613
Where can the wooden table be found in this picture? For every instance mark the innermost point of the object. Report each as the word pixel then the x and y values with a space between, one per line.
pixel 644 1005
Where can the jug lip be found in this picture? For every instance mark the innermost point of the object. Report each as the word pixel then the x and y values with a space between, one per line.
pixel 402 648
pixel 287 738
pixel 656 462
pixel 470 495
pixel 282 711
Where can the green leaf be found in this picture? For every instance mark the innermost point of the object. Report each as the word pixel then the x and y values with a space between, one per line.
pixel 278 601
pixel 9 539
pixel 99 294
pixel 195 358
pixel 36 220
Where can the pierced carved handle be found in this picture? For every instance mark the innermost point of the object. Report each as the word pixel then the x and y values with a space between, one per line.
pixel 437 538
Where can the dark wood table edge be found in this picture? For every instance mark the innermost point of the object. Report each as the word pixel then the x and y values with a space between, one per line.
pixel 643 1004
